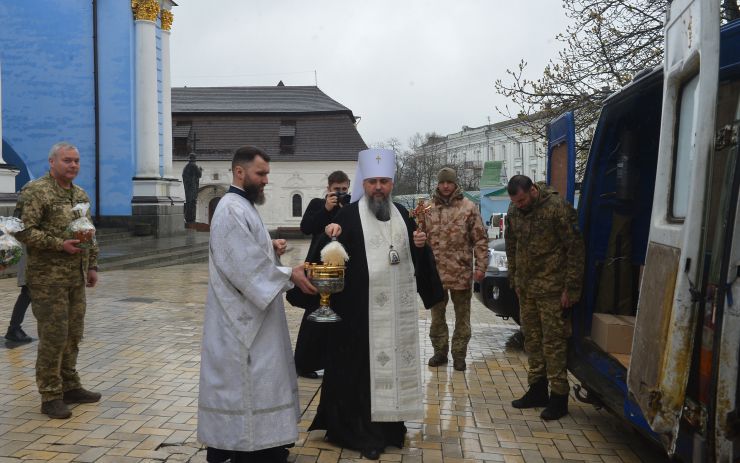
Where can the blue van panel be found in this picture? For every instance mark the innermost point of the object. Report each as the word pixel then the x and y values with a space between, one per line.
pixel 729 51
pixel 562 129
pixel 597 209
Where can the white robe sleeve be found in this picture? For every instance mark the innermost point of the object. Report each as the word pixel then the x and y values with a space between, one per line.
pixel 236 249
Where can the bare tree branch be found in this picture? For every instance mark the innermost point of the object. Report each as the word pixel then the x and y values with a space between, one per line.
pixel 608 42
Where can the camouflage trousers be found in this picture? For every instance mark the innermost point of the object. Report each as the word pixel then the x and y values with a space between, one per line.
pixel 546 334
pixel 439 333
pixel 60 312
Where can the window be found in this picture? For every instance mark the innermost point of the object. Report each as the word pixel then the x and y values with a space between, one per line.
pixel 684 154
pixel 287 137
pixel 181 138
pixel 297 205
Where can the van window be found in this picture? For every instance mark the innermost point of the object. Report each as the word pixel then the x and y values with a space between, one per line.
pixel 685 139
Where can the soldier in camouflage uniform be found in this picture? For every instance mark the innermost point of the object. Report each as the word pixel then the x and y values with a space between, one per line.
pixel 56 274
pixel 545 252
pixel 455 232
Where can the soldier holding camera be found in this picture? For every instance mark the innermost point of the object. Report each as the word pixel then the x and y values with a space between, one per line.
pixel 310 348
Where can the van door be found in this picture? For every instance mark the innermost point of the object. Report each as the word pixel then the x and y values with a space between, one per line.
pixel 666 315
pixel 561 155
pixel 726 305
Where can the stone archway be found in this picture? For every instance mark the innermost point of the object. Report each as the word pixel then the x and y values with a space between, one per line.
pixel 212 208
pixel 206 204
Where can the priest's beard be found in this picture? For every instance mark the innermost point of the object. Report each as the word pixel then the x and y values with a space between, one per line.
pixel 380 207
pixel 254 194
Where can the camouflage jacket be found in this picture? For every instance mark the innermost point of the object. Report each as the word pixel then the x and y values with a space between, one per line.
pixel 455 232
pixel 46 211
pixel 544 247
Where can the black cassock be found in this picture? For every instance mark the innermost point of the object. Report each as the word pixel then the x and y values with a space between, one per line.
pixel 344 409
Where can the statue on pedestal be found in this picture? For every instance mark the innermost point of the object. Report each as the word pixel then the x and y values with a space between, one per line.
pixel 190 179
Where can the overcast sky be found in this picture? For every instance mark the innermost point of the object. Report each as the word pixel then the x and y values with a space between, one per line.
pixel 404 66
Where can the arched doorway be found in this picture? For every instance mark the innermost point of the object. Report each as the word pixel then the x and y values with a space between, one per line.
pixel 212 207
pixel 297 205
pixel 206 205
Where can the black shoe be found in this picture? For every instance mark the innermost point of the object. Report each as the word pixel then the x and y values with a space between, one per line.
pixel 81 396
pixel 437 360
pixel 557 408
pixel 56 409
pixel 536 396
pixel 459 364
pixel 371 454
pixel 17 335
pixel 309 375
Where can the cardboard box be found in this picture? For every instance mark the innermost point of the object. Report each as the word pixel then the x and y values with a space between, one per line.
pixel 624 359
pixel 613 333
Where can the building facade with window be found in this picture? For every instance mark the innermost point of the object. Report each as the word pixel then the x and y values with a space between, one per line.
pixel 306 133
pixel 503 141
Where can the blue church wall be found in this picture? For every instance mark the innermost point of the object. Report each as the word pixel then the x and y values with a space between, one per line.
pixel 47 83
pixel 116 82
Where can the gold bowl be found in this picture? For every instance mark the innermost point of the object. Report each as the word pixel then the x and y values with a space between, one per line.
pixel 328 280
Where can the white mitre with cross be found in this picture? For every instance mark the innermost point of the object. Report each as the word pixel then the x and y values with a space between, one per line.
pixel 372 163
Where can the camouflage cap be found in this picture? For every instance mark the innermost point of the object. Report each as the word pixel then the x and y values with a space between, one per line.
pixel 447 174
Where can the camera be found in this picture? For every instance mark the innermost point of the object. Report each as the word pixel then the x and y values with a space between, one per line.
pixel 343 198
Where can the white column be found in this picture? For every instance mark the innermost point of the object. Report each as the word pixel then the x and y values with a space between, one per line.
pixel 7 173
pixel 1 115
pixel 166 100
pixel 147 125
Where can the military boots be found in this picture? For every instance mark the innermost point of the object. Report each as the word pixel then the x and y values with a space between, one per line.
pixel 55 408
pixel 438 359
pixel 536 396
pixel 556 408
pixel 81 396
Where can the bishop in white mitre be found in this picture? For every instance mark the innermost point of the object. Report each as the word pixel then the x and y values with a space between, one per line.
pixel 372 375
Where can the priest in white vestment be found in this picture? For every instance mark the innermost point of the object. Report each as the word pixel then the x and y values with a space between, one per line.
pixel 372 377
pixel 248 407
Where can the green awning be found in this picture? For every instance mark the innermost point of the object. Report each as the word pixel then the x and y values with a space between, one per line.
pixel 491 176
pixel 501 192
pixel 472 195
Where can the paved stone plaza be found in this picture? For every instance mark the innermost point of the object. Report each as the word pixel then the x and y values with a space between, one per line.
pixel 142 350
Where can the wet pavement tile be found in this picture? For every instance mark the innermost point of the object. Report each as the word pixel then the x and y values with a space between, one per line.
pixel 141 349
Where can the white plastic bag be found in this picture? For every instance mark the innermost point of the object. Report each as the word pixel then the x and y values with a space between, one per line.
pixel 11 249
pixel 81 227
